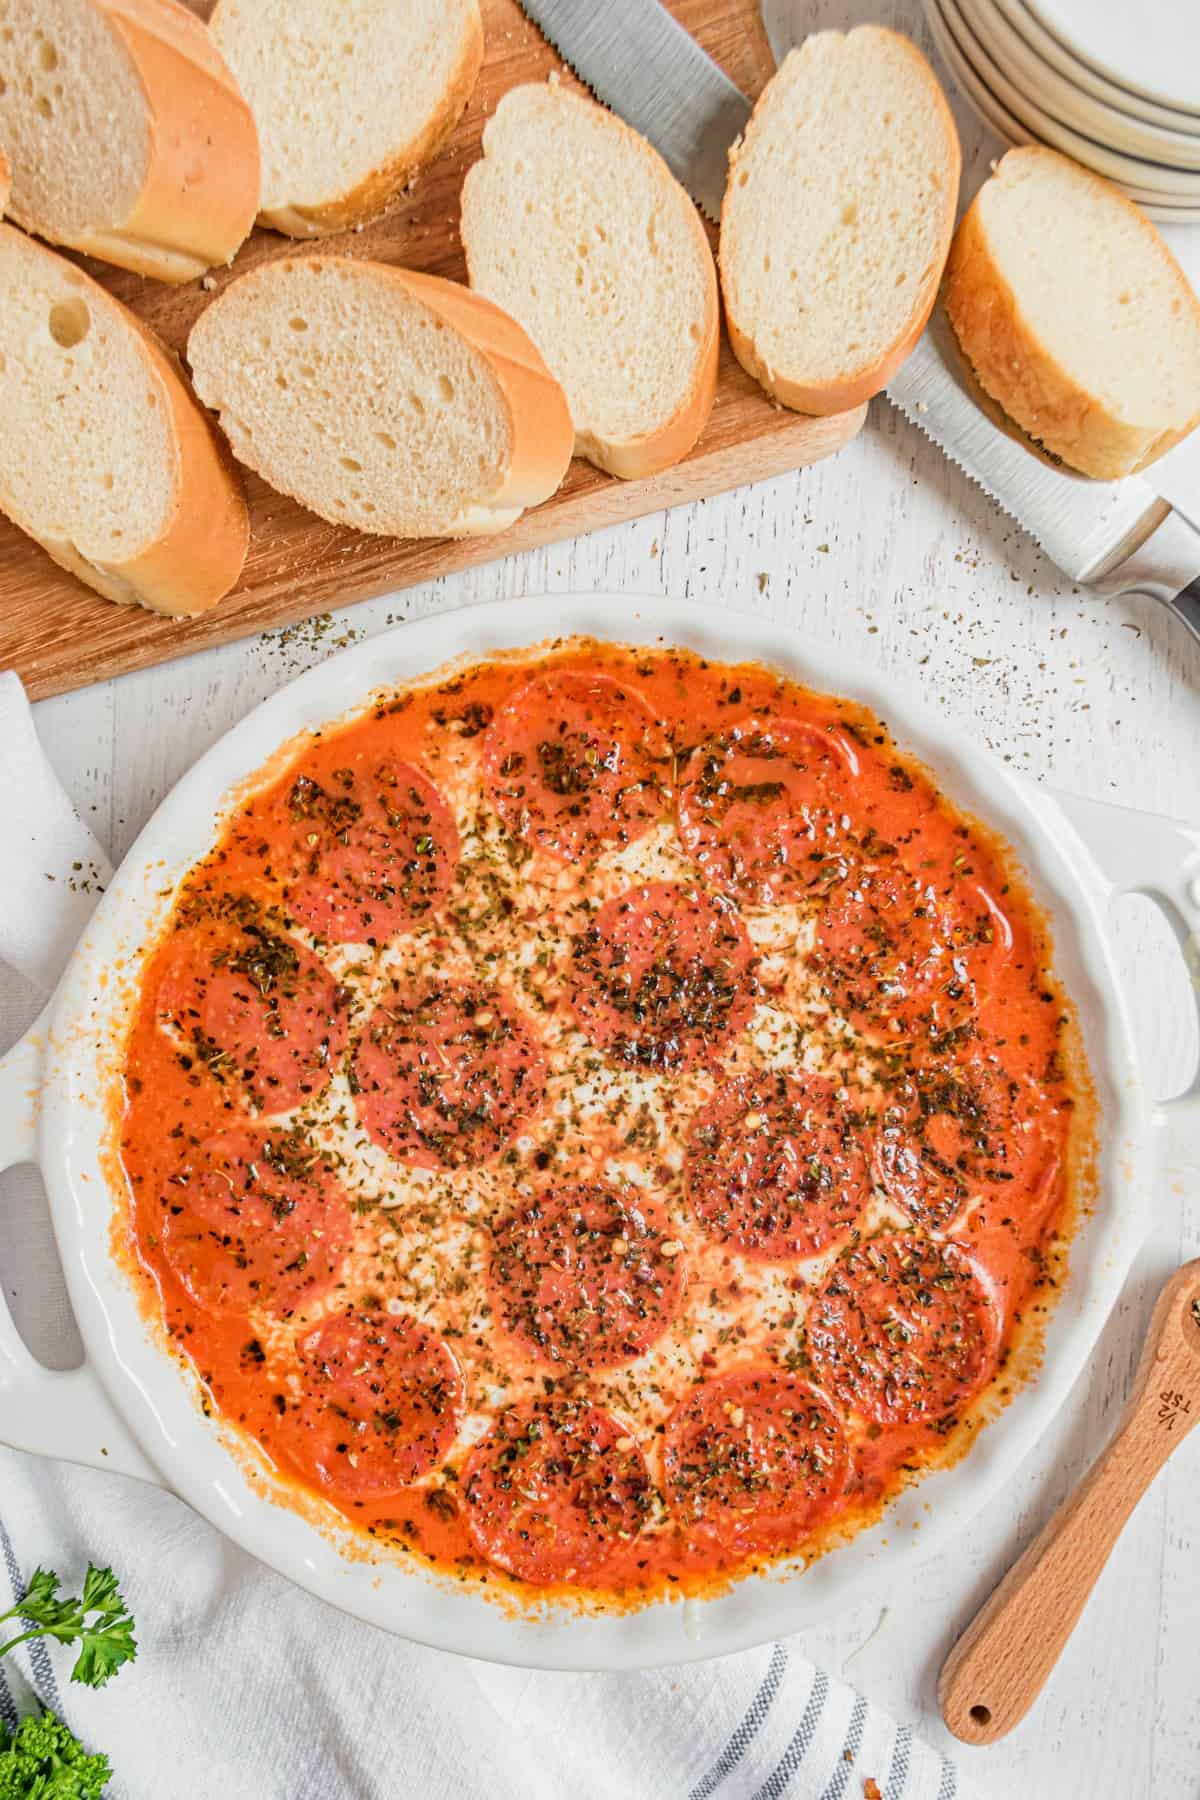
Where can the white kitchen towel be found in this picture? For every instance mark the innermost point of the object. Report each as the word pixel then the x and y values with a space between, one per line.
pixel 52 870
pixel 245 1688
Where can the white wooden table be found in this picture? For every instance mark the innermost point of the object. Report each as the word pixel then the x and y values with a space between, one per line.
pixel 891 554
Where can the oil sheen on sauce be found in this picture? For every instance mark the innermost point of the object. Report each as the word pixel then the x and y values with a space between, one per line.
pixel 598 1122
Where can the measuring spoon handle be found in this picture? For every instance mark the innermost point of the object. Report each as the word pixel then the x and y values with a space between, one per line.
pixel 1000 1664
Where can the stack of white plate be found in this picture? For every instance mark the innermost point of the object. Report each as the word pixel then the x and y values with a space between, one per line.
pixel 1114 84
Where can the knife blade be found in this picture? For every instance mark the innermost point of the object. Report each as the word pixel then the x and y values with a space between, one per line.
pixel 641 62
pixel 1080 523
pixel 1113 536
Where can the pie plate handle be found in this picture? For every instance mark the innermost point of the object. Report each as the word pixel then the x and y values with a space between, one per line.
pixel 1145 853
pixel 50 1412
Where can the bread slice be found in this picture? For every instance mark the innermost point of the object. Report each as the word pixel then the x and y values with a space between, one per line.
pixel 1074 315
pixel 105 457
pixel 575 226
pixel 4 183
pixel 393 402
pixel 126 133
pixel 350 99
pixel 837 218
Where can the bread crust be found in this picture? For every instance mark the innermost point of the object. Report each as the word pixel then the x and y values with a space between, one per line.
pixel 200 196
pixel 858 385
pixel 543 437
pixel 199 557
pixel 633 459
pixel 541 433
pixel 1021 373
pixel 3 183
pixel 373 195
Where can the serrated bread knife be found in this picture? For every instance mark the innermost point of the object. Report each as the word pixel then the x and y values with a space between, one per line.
pixel 1116 537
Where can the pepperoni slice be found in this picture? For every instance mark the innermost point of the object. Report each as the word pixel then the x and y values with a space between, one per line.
pixel 665 977
pixel 904 1330
pixel 555 1490
pixel 777 1166
pixel 575 762
pixel 254 1220
pixel 962 1132
pixel 258 1010
pixel 585 1277
pixel 764 807
pixel 363 843
pixel 445 1079
pixel 904 956
pixel 753 1461
pixel 382 1403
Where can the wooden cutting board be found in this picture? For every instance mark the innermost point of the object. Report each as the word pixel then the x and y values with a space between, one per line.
pixel 57 634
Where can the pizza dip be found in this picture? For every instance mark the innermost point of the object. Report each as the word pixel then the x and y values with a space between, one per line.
pixel 599 1121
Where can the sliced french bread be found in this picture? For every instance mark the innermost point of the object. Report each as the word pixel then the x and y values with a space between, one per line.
pixel 838 217
pixel 126 134
pixel 393 402
pixel 1074 315
pixel 575 226
pixel 350 99
pixel 105 457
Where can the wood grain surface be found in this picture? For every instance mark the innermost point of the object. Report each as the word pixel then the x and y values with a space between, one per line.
pixel 58 634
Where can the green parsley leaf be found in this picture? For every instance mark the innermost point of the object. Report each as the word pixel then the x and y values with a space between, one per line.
pixel 98 1620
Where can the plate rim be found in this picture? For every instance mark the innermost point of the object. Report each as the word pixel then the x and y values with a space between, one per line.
pixel 999 120
pixel 1044 44
pixel 1059 98
pixel 1042 8
pixel 1046 129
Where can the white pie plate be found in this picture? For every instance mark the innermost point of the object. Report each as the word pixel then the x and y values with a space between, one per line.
pixel 132 1408
pixel 1082 76
pixel 1152 49
pixel 1156 178
pixel 1054 95
pixel 1169 209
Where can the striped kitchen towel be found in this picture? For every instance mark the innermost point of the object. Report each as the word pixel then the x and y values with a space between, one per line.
pixel 244 1687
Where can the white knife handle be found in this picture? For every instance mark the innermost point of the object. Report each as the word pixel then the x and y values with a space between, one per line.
pixel 1186 606
pixel 1165 565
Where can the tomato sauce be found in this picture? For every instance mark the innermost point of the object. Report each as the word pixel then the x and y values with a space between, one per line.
pixel 599 1121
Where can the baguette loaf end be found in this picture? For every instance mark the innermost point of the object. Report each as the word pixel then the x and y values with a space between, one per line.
pixel 106 458
pixel 152 160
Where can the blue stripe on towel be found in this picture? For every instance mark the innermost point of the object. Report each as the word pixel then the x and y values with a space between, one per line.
pixel 8 1706
pixel 749 1728
pixel 801 1743
pixel 897 1778
pixel 850 1749
pixel 948 1786
pixel 45 1686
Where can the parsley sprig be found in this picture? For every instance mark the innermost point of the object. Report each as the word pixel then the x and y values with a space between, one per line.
pixel 44 1760
pixel 98 1619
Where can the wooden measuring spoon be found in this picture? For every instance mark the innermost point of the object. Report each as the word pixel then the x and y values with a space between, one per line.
pixel 1000 1664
